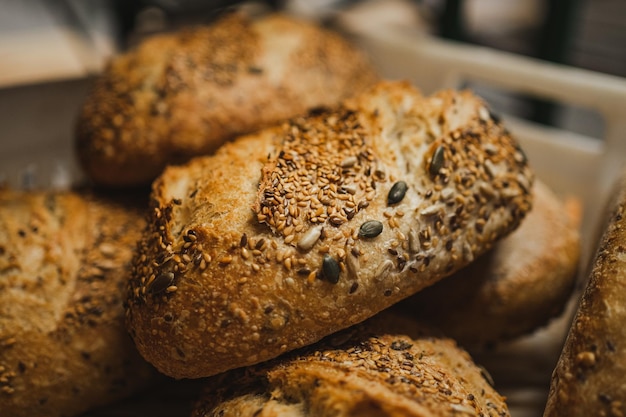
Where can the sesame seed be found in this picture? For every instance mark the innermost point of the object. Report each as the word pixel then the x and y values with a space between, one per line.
pixel 393 223
pixel 288 263
pixel 226 259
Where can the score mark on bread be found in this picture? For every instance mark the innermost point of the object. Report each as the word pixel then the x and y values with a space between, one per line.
pixel 525 280
pixel 250 284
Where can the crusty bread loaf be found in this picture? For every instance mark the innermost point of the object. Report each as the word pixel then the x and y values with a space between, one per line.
pixel 518 286
pixel 589 377
pixel 385 367
pixel 291 234
pixel 63 265
pixel 183 94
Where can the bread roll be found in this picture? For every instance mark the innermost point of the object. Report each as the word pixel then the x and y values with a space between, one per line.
pixel 383 368
pixel 63 265
pixel 182 94
pixel 589 377
pixel 291 234
pixel 518 286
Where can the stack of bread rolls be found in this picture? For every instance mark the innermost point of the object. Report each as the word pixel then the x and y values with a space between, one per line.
pixel 64 259
pixel 295 200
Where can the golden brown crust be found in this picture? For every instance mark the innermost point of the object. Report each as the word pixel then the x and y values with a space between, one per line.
pixel 222 279
pixel 63 266
pixel 589 376
pixel 388 366
pixel 525 280
pixel 183 94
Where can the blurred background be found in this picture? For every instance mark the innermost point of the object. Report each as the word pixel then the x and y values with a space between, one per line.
pixel 50 49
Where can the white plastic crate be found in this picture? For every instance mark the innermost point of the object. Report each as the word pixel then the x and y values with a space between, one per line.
pixel 571 164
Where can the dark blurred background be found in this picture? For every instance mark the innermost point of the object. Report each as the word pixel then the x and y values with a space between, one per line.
pixel 586 33
pixel 51 49
pixel 581 33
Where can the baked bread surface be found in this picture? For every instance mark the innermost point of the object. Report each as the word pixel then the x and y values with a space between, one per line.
pixel 293 233
pixel 387 366
pixel 63 265
pixel 183 94
pixel 519 285
pixel 589 376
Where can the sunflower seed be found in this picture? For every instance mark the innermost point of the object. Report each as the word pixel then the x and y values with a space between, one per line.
pixel 308 239
pixel 414 241
pixel 349 161
pixel 383 269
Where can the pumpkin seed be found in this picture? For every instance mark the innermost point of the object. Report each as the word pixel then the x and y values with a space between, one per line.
pixel 436 162
pixel 161 283
pixel 330 269
pixel 397 192
pixel 371 228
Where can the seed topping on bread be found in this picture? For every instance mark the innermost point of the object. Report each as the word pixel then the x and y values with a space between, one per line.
pixel 362 371
pixel 324 170
pixel 321 174
pixel 362 205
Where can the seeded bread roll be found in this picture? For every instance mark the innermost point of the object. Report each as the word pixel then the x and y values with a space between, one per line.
pixel 518 286
pixel 589 376
pixel 385 367
pixel 63 265
pixel 291 234
pixel 183 94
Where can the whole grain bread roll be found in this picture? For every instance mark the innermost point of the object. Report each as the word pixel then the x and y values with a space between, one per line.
pixel 519 285
pixel 63 265
pixel 293 233
pixel 386 367
pixel 183 94
pixel 589 376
